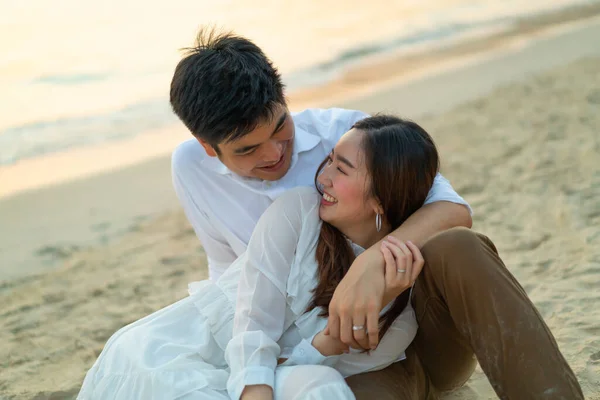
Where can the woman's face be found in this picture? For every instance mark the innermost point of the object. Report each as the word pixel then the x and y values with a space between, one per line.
pixel 346 202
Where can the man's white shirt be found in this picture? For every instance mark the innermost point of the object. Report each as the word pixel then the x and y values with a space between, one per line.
pixel 223 207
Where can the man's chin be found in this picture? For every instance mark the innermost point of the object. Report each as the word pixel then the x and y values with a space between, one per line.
pixel 272 175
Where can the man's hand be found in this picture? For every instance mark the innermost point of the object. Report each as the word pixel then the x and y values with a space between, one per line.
pixel 328 345
pixel 357 302
pixel 257 392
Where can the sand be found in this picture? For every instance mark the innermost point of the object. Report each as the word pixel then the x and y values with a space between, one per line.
pixel 523 149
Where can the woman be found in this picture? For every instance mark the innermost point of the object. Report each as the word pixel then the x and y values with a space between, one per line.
pixel 258 331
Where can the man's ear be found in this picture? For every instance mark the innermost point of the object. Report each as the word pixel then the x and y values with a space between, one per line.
pixel 210 151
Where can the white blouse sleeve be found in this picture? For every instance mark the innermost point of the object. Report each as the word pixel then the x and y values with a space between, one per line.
pixel 261 300
pixel 391 348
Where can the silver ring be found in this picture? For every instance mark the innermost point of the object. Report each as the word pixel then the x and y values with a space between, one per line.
pixel 358 327
pixel 401 271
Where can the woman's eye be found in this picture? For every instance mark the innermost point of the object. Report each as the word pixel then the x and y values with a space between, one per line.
pixel 330 161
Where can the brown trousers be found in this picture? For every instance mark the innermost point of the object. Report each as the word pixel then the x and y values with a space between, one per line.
pixel 470 308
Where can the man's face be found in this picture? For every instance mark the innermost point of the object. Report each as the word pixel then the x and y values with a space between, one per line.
pixel 265 153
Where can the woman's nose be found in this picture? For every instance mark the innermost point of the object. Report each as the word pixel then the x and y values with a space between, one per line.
pixel 324 178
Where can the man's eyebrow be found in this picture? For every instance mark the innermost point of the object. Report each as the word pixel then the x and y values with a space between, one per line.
pixel 280 123
pixel 245 149
pixel 343 159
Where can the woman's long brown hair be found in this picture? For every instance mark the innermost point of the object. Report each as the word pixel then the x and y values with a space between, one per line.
pixel 402 161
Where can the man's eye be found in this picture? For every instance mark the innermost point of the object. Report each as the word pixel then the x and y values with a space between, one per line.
pixel 248 152
pixel 279 131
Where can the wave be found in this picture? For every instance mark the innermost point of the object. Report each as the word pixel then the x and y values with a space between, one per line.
pixel 49 136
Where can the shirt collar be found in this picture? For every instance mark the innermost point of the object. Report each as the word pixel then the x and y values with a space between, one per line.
pixel 303 141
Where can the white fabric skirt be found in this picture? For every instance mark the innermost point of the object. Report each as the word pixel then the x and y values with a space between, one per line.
pixel 178 353
pixel 170 354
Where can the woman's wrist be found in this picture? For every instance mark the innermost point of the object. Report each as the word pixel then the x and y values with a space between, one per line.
pixel 257 392
pixel 317 343
pixel 371 258
pixel 375 261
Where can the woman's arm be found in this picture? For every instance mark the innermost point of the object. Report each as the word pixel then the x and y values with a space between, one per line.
pixel 261 300
pixel 257 392
pixel 326 350
pixel 319 349
pixel 403 264
pixel 391 348
pixel 363 290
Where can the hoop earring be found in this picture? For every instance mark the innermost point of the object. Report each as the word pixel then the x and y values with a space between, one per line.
pixel 378 222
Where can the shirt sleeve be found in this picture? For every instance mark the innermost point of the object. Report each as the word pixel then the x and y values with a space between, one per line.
pixel 328 123
pixel 442 190
pixel 339 121
pixel 262 293
pixel 304 353
pixel 218 252
pixel 391 348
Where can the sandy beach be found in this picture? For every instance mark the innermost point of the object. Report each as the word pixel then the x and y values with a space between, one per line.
pixel 519 136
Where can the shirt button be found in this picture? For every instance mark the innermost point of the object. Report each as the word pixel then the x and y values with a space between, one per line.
pixel 302 352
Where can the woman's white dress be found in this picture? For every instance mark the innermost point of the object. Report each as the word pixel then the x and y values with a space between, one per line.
pixel 230 333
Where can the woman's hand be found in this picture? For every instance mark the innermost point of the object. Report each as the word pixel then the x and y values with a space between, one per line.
pixel 403 264
pixel 257 392
pixel 328 345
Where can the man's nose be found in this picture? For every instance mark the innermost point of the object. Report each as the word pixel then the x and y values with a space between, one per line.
pixel 272 152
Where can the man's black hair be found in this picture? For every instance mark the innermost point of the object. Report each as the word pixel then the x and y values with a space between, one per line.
pixel 225 87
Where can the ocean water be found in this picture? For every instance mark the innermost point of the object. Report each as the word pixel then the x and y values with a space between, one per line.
pixel 81 72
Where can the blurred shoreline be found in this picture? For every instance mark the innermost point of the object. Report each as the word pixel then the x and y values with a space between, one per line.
pixel 55 205
pixel 72 95
pixel 359 78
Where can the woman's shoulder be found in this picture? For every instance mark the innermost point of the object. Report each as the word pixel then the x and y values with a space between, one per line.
pixel 295 209
pixel 302 199
pixel 299 192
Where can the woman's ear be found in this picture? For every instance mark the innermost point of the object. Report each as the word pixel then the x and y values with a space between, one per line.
pixel 377 207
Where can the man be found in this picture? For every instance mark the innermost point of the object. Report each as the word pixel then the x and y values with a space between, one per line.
pixel 248 149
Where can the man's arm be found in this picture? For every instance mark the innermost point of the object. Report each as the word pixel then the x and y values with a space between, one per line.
pixel 188 187
pixel 431 219
pixel 362 292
